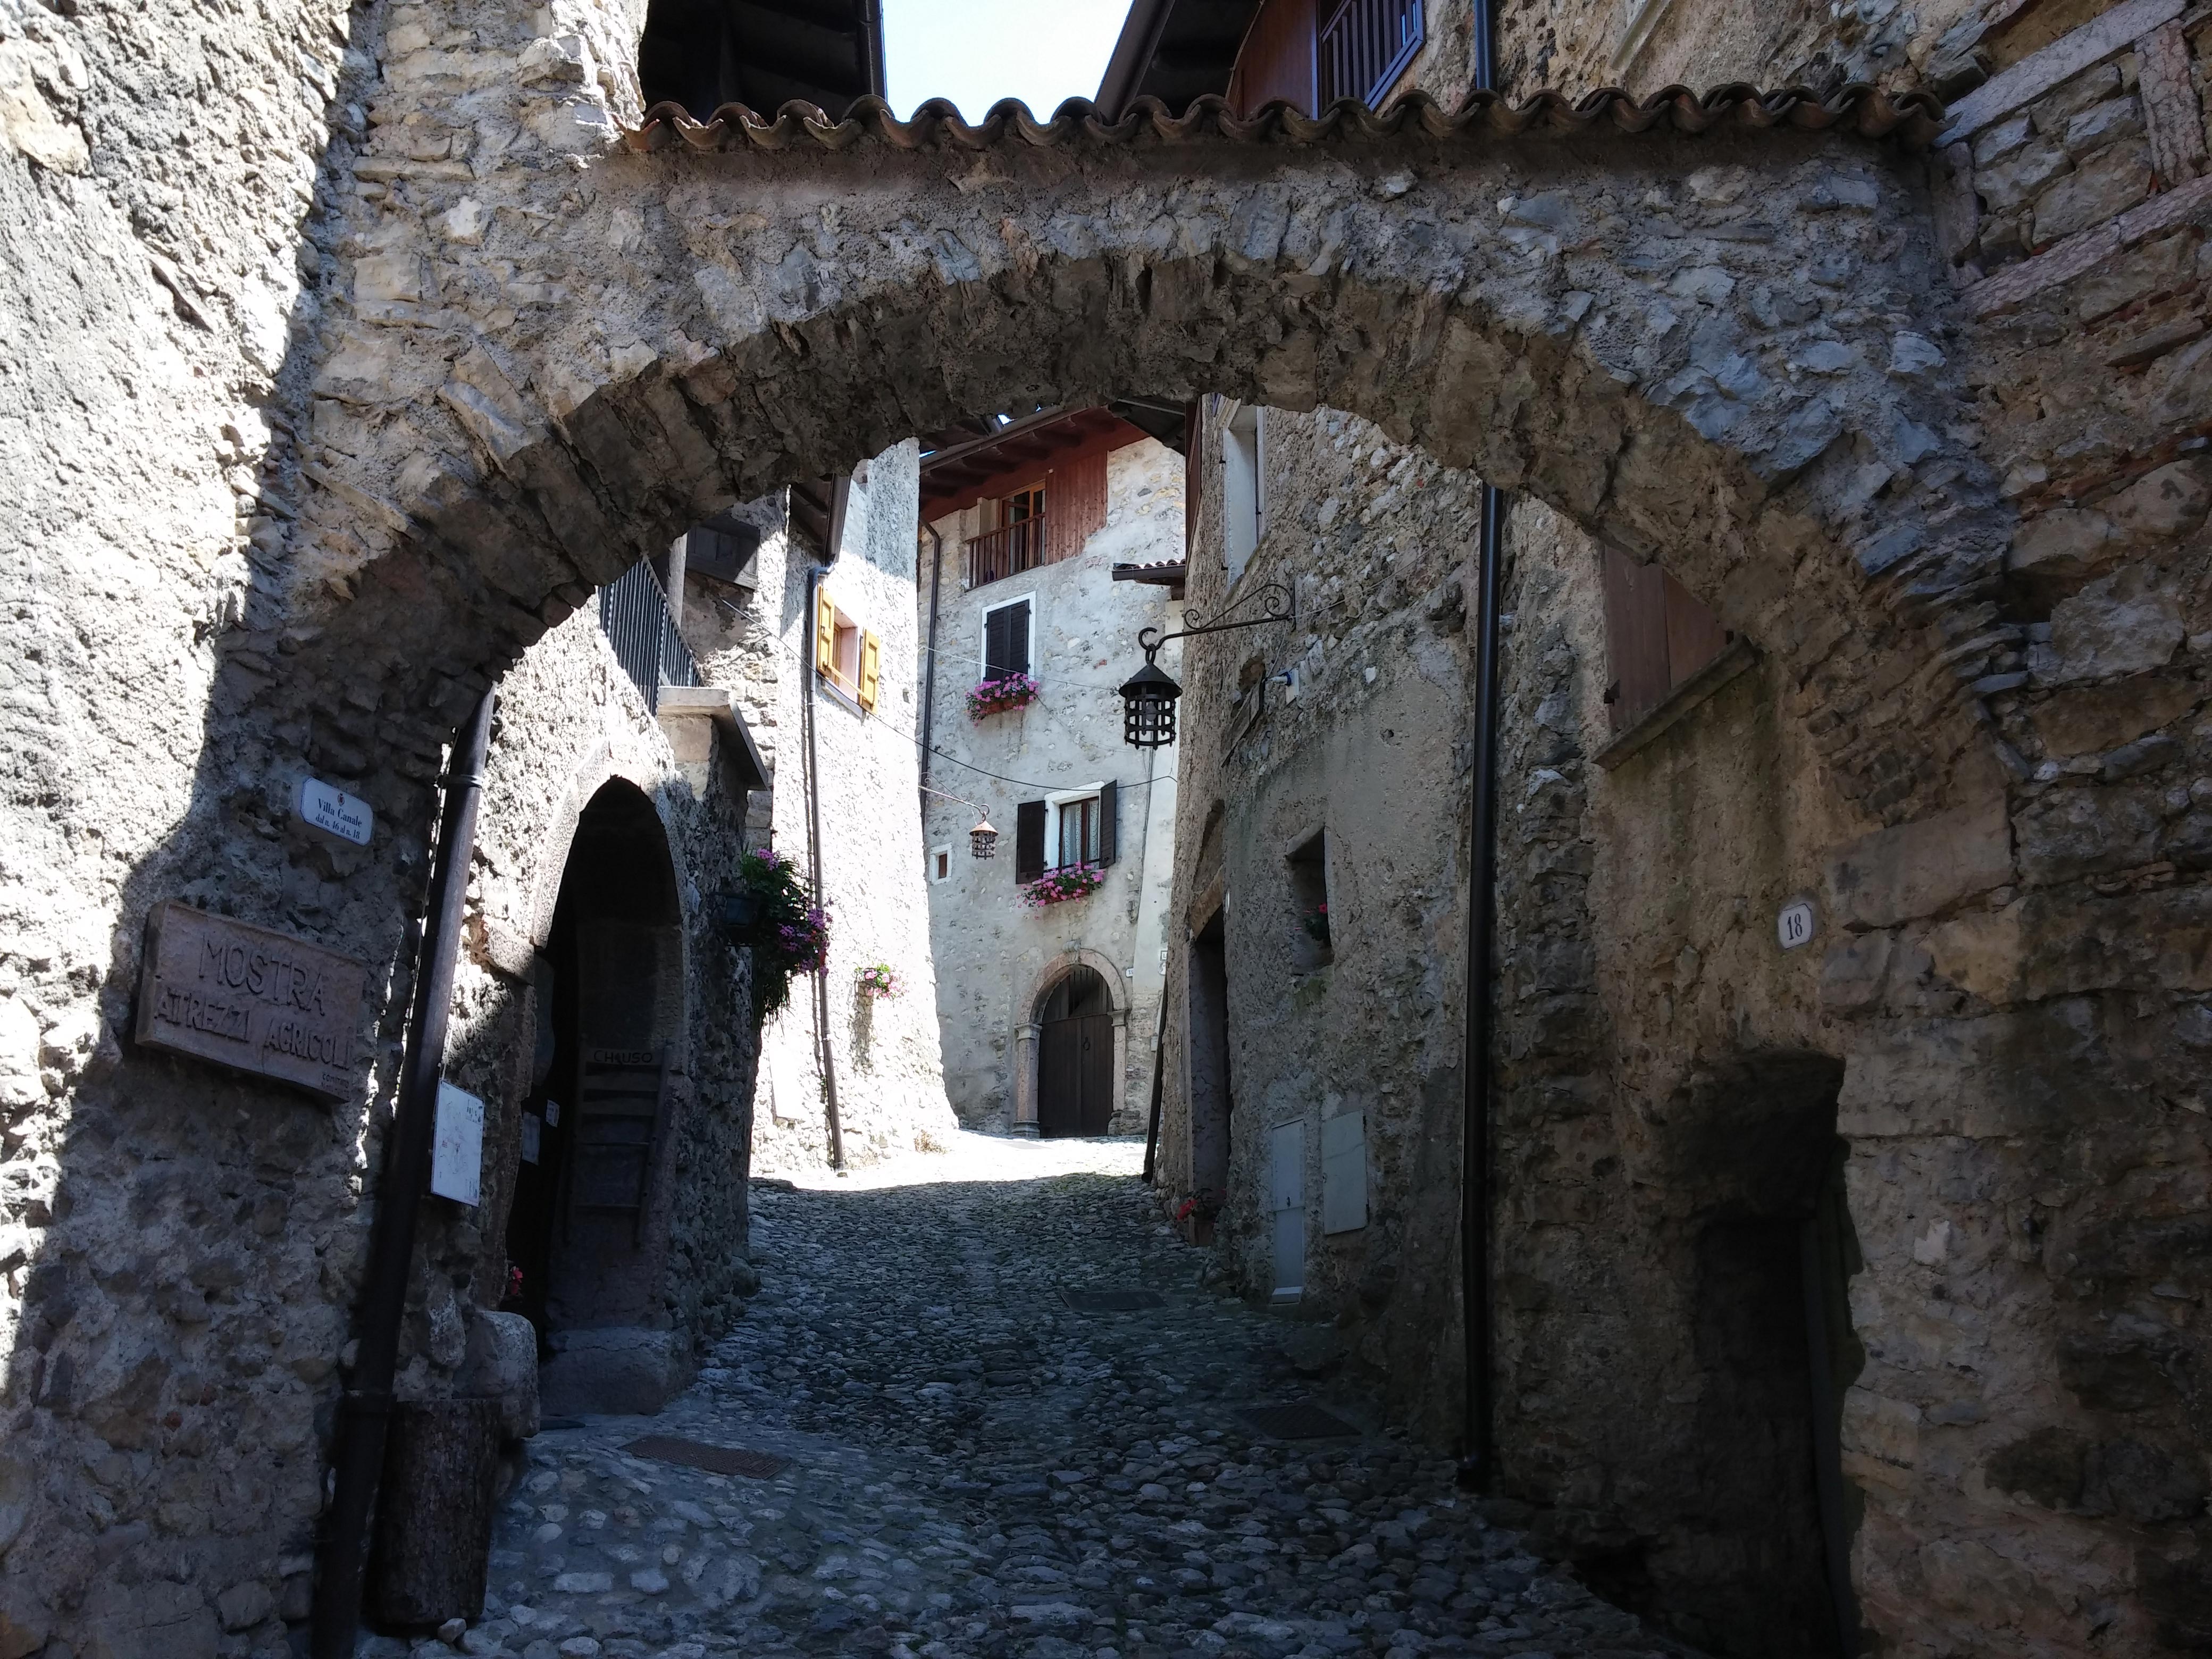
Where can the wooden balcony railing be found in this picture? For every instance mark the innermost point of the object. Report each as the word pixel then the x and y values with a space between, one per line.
pixel 1366 46
pixel 1008 551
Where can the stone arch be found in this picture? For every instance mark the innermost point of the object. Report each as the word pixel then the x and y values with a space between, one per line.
pixel 1026 1012
pixel 1702 334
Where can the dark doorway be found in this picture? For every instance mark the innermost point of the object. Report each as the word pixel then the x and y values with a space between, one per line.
pixel 586 1228
pixel 1210 1100
pixel 1075 1057
pixel 1772 1255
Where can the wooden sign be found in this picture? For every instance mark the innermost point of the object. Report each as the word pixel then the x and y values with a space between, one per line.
pixel 251 998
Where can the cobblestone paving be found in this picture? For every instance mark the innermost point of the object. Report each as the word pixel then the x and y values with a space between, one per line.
pixel 977 1469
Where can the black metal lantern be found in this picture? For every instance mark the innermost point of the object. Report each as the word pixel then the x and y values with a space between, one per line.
pixel 982 839
pixel 1148 705
pixel 1148 697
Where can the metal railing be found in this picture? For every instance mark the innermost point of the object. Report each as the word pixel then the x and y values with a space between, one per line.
pixel 1007 551
pixel 1366 46
pixel 633 616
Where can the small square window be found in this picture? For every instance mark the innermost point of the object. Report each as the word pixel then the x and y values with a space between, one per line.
pixel 940 863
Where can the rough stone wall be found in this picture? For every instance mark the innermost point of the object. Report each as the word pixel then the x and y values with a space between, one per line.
pixel 1367 746
pixel 1577 46
pixel 2026 1159
pixel 996 960
pixel 570 721
pixel 890 1087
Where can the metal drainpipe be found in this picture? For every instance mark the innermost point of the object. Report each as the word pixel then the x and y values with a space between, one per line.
pixel 929 668
pixel 358 1458
pixel 838 502
pixel 1478 1202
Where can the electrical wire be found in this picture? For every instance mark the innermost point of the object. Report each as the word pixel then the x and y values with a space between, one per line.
pixel 1000 777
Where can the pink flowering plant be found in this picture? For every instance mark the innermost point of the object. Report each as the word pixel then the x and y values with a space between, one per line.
pixel 997 697
pixel 1316 925
pixel 880 979
pixel 791 932
pixel 1073 881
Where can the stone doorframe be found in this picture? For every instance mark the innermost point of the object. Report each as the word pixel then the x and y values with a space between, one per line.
pixel 1028 1031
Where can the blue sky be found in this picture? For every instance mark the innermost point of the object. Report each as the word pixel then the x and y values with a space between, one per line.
pixel 977 52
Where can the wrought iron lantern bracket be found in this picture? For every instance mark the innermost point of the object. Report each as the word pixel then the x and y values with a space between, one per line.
pixel 982 839
pixel 1148 698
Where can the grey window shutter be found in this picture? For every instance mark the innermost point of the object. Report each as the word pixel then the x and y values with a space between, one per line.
pixel 1029 841
pixel 1110 822
pixel 994 644
pixel 1017 638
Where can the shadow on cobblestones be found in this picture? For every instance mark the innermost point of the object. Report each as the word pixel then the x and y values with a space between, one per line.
pixel 978 1469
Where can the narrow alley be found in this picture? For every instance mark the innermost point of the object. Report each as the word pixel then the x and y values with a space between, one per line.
pixel 961 1462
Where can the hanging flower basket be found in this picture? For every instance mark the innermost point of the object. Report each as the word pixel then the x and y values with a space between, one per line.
pixel 1058 886
pixel 997 697
pixel 879 979
pixel 788 933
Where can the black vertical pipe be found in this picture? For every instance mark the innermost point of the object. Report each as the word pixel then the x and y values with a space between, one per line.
pixel 840 501
pixel 1475 1181
pixel 358 1457
pixel 1477 1200
pixel 929 667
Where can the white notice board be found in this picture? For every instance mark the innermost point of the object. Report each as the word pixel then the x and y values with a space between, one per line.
pixel 457 1151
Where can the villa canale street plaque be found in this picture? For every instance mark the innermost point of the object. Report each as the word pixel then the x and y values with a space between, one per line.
pixel 251 998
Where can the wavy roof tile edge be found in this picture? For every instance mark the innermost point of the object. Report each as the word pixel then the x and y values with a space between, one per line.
pixel 1912 120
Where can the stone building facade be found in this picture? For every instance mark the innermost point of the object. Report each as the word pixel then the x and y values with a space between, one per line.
pixel 884 1051
pixel 350 350
pixel 999 962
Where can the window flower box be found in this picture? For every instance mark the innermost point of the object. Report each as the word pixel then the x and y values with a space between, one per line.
pixel 1073 881
pixel 997 697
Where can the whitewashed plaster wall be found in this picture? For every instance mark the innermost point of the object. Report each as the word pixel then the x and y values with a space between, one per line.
pixel 995 958
pixel 890 1087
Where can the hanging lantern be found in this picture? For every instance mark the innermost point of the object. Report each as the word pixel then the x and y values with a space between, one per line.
pixel 982 839
pixel 1148 706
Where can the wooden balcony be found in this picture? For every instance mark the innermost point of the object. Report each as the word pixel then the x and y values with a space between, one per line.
pixel 1009 550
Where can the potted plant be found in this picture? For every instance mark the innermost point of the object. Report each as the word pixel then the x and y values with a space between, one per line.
pixel 996 696
pixel 786 931
pixel 879 979
pixel 1315 922
pixel 1074 881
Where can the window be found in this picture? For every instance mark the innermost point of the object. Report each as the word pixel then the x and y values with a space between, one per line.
pixel 1243 504
pixel 1079 827
pixel 846 655
pixel 940 863
pixel 1314 945
pixel 1006 639
pixel 1657 635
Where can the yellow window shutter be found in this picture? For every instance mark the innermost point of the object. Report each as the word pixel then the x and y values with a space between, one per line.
pixel 826 636
pixel 870 661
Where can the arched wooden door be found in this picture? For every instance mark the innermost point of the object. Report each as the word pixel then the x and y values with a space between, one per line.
pixel 1075 1057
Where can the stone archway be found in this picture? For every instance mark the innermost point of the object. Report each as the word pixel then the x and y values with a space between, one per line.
pixel 1691 330
pixel 1028 1018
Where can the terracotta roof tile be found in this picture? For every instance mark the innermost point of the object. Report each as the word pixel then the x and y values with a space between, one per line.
pixel 1912 120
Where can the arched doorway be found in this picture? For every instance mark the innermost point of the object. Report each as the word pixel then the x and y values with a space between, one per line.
pixel 1075 1056
pixel 588 1231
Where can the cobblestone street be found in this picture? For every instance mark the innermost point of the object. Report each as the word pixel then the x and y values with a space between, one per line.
pixel 975 1467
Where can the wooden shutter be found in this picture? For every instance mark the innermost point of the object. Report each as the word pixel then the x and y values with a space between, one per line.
pixel 871 665
pixel 1109 821
pixel 1029 841
pixel 1636 637
pixel 1694 635
pixel 825 636
pixel 1076 505
pixel 1006 641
